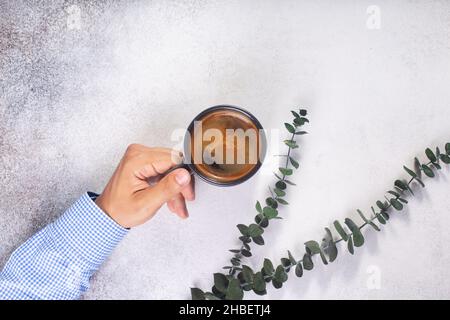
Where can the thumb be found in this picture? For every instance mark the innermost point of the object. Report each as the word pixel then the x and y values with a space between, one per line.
pixel 166 189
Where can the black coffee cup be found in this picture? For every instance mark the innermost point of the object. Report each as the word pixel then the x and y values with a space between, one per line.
pixel 227 173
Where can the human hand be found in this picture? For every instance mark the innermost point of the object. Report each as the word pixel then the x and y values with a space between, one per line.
pixel 130 200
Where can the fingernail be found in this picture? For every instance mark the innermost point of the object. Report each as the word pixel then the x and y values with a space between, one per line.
pixel 182 178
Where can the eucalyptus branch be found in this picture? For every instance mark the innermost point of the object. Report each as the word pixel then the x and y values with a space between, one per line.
pixel 230 287
pixel 254 232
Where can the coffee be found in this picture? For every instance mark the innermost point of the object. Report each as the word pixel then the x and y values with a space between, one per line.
pixel 225 145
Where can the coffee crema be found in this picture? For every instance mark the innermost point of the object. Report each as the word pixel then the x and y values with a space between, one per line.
pixel 225 145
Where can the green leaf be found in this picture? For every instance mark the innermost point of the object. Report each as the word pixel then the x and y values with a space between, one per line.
pixel 282 201
pixel 295 114
pixel 380 205
pixel 430 155
pixel 403 200
pixel 313 246
pixel 291 258
pixel 400 184
pixel 331 249
pixel 268 266
pixel 246 253
pixel 280 185
pixel 258 240
pixel 245 239
pixel 259 285
pixel 254 230
pixel 234 291
pixel 279 193
pixel 370 223
pixel 262 220
pixel 299 270
pixel 243 229
pixel 323 257
pixel 235 250
pixel 396 204
pixel 394 193
pixel 286 263
pixel 299 133
pixel 280 275
pixel 350 245
pixel 294 162
pixel 340 230
pixel 303 112
pixel 438 153
pixel 220 282
pixel 307 262
pixel 211 296
pixel 445 158
pixel 290 182
pixel 358 238
pixel 235 261
pixel 258 207
pixel 289 127
pixel 271 203
pixel 197 294
pixel 286 171
pixel 300 121
pixel 276 284
pixel 420 182
pixel 410 172
pixel 385 215
pixel 447 148
pixel 247 274
pixel 428 171
pixel 270 212
pixel 291 144
pixel 437 165
pixel 380 218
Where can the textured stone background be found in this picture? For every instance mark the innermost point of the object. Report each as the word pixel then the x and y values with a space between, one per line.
pixel 80 80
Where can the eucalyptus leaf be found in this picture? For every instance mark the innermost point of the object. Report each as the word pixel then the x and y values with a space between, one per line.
pixel 243 229
pixel 285 171
pixel 313 246
pixel 279 193
pixel 280 185
pixel 282 201
pixel 420 182
pixel 303 112
pixel 369 222
pixel 271 202
pixel 358 238
pixel 246 253
pixel 396 204
pixel 289 127
pixel 262 220
pixel 299 270
pixel 447 148
pixel 294 162
pixel 340 230
pixel 295 114
pixel 247 274
pixel 301 132
pixel 410 172
pixel 270 212
pixel 430 155
pixel 268 266
pixel 197 294
pixel 350 245
pixel 428 171
pixel 258 240
pixel 234 291
pixel 258 207
pixel 445 158
pixel 380 218
pixel 255 230
pixel 277 284
pixel 290 182
pixel 307 262
pixel 291 144
pixel 259 285
pixel 291 258
pixel 221 282
pixel 280 275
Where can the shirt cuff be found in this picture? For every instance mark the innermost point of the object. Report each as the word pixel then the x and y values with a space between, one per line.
pixel 88 230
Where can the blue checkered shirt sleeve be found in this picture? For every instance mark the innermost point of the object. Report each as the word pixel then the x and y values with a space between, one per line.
pixel 58 261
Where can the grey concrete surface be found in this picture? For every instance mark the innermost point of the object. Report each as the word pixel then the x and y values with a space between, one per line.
pixel 80 80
